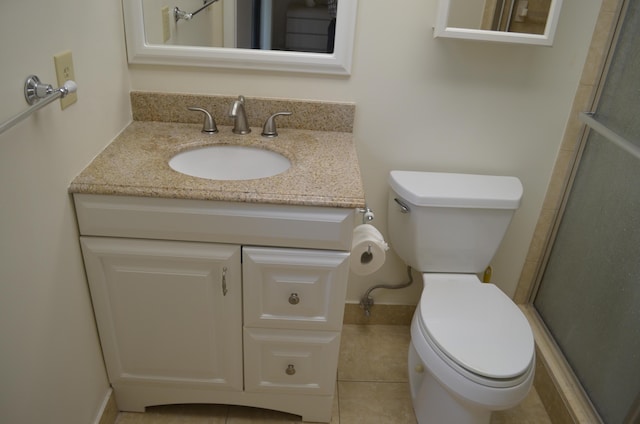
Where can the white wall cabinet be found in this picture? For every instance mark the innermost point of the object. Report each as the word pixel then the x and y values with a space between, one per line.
pixel 188 321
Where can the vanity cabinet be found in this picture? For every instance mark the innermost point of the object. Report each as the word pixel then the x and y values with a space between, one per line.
pixel 217 302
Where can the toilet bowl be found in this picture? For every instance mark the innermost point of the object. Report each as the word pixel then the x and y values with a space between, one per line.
pixel 472 349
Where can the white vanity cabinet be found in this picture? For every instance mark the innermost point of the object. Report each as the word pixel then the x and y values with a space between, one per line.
pixel 217 302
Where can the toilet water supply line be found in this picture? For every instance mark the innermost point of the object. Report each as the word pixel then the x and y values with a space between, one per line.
pixel 366 302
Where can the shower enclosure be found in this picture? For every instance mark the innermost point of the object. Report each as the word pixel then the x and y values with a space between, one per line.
pixel 589 291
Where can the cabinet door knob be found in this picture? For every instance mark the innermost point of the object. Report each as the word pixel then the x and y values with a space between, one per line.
pixel 290 369
pixel 294 299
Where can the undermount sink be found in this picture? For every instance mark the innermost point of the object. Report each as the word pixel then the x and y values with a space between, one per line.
pixel 224 162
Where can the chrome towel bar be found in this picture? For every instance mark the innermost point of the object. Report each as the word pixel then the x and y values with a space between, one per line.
pixel 38 95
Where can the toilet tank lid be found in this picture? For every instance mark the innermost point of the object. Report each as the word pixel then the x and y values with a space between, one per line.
pixel 438 189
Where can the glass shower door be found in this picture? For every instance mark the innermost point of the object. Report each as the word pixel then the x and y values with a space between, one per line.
pixel 589 295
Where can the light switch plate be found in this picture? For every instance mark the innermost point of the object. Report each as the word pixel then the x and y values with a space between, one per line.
pixel 64 72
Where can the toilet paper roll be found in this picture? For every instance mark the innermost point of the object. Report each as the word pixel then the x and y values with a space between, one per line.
pixel 367 250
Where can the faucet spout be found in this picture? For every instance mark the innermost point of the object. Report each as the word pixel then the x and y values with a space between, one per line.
pixel 240 125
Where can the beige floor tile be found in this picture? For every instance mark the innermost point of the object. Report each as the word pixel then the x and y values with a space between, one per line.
pixel 335 414
pixel 530 411
pixel 245 415
pixel 177 414
pixel 374 353
pixel 375 403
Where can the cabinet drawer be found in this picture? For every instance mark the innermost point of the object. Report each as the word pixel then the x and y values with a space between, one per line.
pixel 294 288
pixel 290 361
pixel 213 221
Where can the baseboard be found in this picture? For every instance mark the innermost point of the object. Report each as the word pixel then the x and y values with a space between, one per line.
pixel 108 411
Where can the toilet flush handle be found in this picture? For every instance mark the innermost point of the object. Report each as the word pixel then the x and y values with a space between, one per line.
pixel 403 206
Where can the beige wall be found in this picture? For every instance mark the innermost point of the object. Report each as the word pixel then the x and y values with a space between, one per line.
pixel 51 368
pixel 442 105
pixel 422 104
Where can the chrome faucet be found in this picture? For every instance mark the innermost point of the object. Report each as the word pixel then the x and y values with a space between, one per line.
pixel 240 125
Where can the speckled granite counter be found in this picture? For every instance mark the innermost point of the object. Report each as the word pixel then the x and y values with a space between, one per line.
pixel 324 170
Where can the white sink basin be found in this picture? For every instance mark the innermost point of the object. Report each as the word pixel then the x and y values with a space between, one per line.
pixel 224 162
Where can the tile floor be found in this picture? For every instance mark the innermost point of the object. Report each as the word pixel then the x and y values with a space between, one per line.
pixel 372 388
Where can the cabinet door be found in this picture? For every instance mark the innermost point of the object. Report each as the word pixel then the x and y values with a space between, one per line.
pixel 167 312
pixel 294 288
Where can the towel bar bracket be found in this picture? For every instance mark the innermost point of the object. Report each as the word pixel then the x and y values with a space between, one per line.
pixel 34 90
pixel 38 95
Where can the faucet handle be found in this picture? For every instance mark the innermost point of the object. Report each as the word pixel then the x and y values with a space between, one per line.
pixel 269 128
pixel 209 125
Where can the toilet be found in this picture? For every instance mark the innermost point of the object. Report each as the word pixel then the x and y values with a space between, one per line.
pixel 472 349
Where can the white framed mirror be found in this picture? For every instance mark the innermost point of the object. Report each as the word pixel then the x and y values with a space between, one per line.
pixel 144 46
pixel 506 21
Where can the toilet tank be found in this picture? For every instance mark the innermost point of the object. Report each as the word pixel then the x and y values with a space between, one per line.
pixel 441 222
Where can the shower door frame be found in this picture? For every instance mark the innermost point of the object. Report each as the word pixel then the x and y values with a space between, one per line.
pixel 560 391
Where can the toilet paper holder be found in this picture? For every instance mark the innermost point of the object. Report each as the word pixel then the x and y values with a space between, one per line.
pixel 367 214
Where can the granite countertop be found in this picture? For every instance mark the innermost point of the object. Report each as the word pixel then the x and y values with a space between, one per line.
pixel 324 167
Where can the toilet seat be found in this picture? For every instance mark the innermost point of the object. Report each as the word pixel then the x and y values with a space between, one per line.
pixel 476 329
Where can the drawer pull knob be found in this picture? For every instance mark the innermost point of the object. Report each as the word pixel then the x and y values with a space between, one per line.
pixel 294 299
pixel 290 370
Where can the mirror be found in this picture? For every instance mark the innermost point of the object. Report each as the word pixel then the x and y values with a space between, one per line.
pixel 241 34
pixel 508 21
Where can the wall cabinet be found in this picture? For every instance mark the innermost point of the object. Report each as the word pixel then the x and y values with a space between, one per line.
pixel 188 321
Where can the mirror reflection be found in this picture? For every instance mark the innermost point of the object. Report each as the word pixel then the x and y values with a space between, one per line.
pixel 517 16
pixel 285 25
